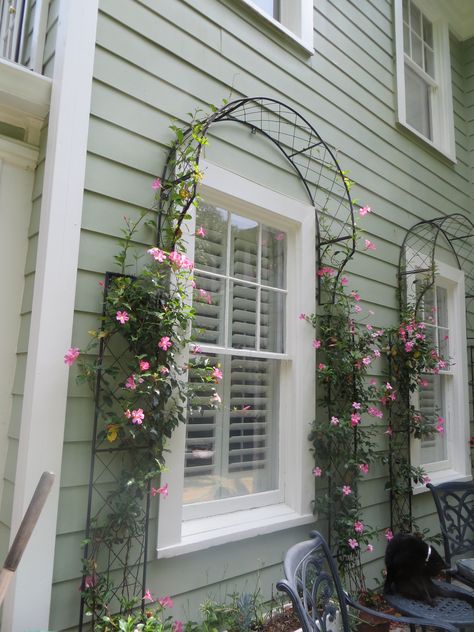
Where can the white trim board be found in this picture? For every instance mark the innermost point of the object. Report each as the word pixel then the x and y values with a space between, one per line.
pixel 46 379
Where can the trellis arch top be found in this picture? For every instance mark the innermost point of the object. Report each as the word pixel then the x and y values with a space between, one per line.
pixel 309 155
pixel 418 256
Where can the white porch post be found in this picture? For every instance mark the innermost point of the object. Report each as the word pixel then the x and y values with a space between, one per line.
pixel 45 392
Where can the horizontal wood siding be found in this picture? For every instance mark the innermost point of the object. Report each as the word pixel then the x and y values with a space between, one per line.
pixel 156 62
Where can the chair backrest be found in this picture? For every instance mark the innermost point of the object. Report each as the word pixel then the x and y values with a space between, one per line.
pixel 455 505
pixel 314 586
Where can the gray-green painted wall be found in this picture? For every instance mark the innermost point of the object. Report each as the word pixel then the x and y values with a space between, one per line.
pixel 156 61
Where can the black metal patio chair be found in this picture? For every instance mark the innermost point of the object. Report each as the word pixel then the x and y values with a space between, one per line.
pixel 312 582
pixel 455 505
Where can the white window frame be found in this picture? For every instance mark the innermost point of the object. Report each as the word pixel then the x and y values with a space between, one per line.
pixel 457 466
pixel 296 20
pixel 442 116
pixel 177 535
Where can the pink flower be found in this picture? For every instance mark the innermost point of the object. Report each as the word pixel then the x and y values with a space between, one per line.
pixel 425 480
pixel 356 405
pixel 316 344
pixel 317 471
pixel 369 245
pixel 164 370
pixel 357 309
pixel 442 364
pixel 369 327
pixel 321 366
pixel 352 543
pixel 423 383
pixel 364 210
pixel 147 596
pixel 101 283
pixel 389 534
pixel 156 184
pixel 206 296
pixel 376 353
pixel 71 355
pixel 127 414
pixel 325 272
pixel 157 254
pixel 440 428
pixel 177 626
pixel 130 383
pixel 367 360
pixel 201 232
pixel 364 468
pixel 334 421
pixel 375 412
pixel 346 490
pixel 165 343
pixel 161 491
pixel 370 548
pixel 355 419
pixel 302 316
pixel 344 281
pixel 359 526
pixel 355 296
pixel 122 317
pixel 144 365
pixel 138 416
pixel 373 381
pixel 165 602
pixel 409 346
pixel 180 261
pixel 195 348
pixel 216 374
pixel 389 431
pixel 90 581
pixel 388 386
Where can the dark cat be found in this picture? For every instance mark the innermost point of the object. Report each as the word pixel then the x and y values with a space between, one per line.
pixel 411 566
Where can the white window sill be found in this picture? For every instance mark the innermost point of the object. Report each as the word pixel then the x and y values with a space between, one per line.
pixel 443 476
pixel 450 155
pixel 206 532
pixel 306 46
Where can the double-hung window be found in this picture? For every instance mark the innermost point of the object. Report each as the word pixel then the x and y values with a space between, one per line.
pixel 443 396
pixel 293 17
pixel 241 465
pixel 424 94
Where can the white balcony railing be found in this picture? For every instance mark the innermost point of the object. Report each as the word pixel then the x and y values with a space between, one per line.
pixel 22 32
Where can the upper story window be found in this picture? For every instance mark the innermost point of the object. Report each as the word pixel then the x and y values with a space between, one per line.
pixel 424 92
pixel 293 17
pixel 443 396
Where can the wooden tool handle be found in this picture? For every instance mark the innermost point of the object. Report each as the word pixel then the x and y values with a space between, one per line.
pixel 29 521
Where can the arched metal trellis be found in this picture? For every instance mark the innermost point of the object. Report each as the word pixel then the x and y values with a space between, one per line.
pixel 310 156
pixel 327 188
pixel 449 236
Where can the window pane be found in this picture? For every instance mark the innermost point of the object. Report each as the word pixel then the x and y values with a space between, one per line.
pixel 442 306
pixel 233 451
pixel 243 316
pixel 273 263
pixel 269 6
pixel 272 321
pixel 244 236
pixel 432 404
pixel 415 15
pixel 209 303
pixel 406 16
pixel 429 61
pixel 417 50
pixel 406 40
pixel 417 94
pixel 210 248
pixel 427 32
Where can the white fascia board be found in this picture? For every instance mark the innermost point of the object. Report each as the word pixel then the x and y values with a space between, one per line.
pixel 46 377
pixel 24 90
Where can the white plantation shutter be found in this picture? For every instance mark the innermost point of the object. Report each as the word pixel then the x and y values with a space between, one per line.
pixel 240 300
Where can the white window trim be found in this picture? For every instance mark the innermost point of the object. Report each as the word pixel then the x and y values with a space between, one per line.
pixel 175 536
pixel 458 463
pixel 296 24
pixel 443 140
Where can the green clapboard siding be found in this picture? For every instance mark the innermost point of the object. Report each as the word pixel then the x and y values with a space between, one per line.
pixel 158 61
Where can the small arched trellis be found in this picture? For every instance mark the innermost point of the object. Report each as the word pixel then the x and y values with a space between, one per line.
pixel 312 159
pixel 447 236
